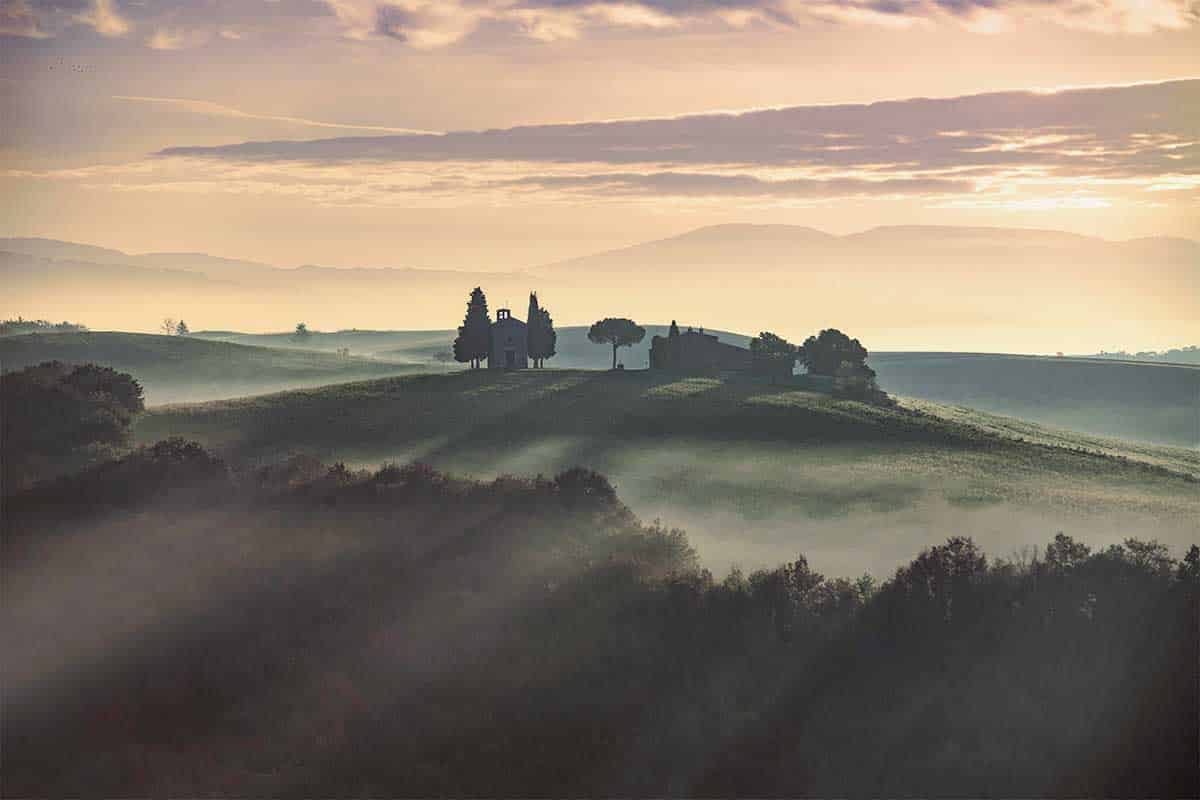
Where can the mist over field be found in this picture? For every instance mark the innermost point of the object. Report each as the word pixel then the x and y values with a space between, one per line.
pixel 751 492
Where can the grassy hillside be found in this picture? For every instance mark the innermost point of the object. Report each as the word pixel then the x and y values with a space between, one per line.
pixel 1148 402
pixel 178 369
pixel 1155 403
pixel 829 477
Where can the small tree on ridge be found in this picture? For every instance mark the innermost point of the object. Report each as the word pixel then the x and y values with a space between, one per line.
pixel 617 331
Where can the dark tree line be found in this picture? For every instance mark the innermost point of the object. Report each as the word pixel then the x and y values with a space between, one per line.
pixel 14 327
pixel 564 648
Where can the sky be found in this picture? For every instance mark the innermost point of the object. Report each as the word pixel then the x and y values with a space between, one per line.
pixel 504 134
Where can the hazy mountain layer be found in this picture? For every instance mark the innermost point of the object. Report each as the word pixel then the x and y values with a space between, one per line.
pixel 922 288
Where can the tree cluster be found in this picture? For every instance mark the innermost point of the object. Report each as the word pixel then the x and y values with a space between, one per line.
pixel 772 355
pixel 52 411
pixel 172 327
pixel 832 353
pixel 14 327
pixel 826 352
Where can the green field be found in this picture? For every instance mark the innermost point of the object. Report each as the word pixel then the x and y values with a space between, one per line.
pixel 180 368
pixel 755 473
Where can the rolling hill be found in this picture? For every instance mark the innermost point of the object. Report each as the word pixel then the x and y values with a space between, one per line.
pixel 758 247
pixel 1142 401
pixel 830 478
pixel 1152 403
pixel 1155 403
pixel 178 368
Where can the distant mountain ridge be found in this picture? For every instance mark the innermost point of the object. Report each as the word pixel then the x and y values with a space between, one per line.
pixel 740 235
pixel 722 245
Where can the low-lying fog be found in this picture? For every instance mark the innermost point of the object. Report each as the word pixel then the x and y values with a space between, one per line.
pixel 849 510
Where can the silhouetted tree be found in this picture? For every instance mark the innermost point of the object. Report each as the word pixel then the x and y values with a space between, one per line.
pixel 674 331
pixel 302 333
pixel 168 326
pixel 1189 568
pixel 475 334
pixel 772 355
pixel 824 353
pixel 617 331
pixel 541 335
pixel 182 329
pixel 1064 554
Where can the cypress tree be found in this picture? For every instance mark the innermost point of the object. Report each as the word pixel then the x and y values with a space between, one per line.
pixel 540 332
pixel 475 334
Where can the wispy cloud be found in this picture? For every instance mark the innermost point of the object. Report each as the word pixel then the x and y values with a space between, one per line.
pixel 218 110
pixel 17 18
pixel 1106 132
pixel 103 17
pixel 693 184
pixel 176 39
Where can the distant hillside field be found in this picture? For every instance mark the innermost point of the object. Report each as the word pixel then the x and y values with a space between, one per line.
pixel 185 369
pixel 829 478
pixel 1148 402
pixel 1157 403
pixel 419 346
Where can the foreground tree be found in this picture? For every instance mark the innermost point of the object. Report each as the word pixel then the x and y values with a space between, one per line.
pixel 51 413
pixel 824 353
pixel 617 331
pixel 542 337
pixel 475 334
pixel 772 355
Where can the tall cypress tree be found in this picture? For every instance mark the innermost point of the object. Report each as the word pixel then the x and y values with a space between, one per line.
pixel 549 337
pixel 541 335
pixel 475 334
pixel 533 329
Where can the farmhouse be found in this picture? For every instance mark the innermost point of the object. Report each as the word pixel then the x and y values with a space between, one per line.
pixel 695 351
pixel 509 342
